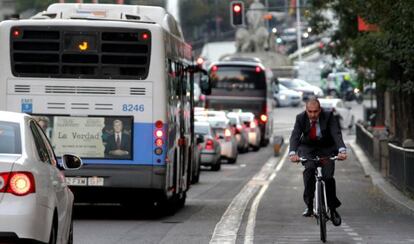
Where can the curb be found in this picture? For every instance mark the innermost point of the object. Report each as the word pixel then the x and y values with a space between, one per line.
pixel 378 180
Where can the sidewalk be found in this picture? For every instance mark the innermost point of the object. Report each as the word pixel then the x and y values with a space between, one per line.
pixel 379 181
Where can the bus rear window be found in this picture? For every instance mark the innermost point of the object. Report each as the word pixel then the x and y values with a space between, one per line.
pixel 238 77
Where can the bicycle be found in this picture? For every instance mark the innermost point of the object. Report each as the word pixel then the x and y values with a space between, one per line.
pixel 321 204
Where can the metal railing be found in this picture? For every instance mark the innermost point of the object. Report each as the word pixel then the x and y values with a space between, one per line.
pixel 401 167
pixel 365 140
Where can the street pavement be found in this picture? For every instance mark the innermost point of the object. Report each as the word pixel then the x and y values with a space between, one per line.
pixel 259 200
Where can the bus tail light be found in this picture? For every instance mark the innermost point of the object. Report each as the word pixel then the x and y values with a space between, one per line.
pixel 159 133
pixel 159 142
pixel 209 144
pixel 17 183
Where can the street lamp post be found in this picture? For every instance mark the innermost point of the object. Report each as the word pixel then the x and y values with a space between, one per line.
pixel 298 30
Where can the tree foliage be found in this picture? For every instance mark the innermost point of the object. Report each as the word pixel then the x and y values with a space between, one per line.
pixel 388 53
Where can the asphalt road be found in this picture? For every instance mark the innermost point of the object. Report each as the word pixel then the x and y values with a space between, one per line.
pixel 256 200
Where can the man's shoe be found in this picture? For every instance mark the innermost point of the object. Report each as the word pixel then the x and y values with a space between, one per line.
pixel 335 218
pixel 308 212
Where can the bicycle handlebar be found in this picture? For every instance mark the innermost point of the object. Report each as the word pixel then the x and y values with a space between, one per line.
pixel 302 159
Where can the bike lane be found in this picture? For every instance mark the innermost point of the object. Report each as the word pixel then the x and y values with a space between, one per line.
pixel 368 216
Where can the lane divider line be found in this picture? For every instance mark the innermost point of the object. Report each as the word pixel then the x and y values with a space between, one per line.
pixel 227 228
pixel 251 222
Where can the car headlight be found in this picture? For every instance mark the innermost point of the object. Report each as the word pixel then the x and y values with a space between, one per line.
pixel 282 97
pixel 356 90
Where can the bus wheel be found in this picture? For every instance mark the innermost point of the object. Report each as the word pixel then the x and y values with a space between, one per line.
pixel 181 200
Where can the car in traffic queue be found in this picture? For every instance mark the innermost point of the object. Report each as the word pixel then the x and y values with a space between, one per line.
pixel 36 204
pixel 253 130
pixel 341 111
pixel 225 136
pixel 240 133
pixel 297 85
pixel 285 97
pixel 209 147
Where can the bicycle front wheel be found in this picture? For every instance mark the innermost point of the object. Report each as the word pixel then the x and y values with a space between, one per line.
pixel 322 215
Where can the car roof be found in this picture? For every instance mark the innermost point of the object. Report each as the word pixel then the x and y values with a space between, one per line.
pixel 237 63
pixel 12 116
pixel 201 123
pixel 329 100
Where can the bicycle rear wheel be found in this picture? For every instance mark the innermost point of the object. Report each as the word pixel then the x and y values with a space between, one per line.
pixel 321 211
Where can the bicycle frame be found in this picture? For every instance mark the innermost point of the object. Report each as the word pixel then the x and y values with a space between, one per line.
pixel 319 180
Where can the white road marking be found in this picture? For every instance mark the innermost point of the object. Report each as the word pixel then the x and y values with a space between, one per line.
pixel 251 222
pixel 227 228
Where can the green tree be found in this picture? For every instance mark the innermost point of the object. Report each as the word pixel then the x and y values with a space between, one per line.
pixel 387 53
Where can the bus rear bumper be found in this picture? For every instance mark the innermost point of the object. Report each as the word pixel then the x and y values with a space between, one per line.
pixel 120 181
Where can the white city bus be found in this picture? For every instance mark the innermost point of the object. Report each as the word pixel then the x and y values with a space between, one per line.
pixel 112 84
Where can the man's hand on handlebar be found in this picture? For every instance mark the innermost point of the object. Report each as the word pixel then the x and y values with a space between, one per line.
pixel 342 156
pixel 294 158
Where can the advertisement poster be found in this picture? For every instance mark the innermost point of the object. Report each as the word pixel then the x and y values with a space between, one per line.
pixel 89 137
pixel 81 136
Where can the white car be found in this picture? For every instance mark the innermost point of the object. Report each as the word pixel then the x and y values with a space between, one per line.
pixel 301 86
pixel 286 97
pixel 35 202
pixel 226 138
pixel 252 128
pixel 343 113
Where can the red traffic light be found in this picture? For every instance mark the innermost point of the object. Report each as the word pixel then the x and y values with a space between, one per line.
pixel 237 13
pixel 237 8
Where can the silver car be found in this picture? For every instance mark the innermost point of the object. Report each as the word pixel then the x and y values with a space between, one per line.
pixel 226 138
pixel 35 202
pixel 252 128
pixel 208 146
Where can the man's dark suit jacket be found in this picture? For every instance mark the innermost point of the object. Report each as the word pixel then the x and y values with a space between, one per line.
pixel 329 142
pixel 125 143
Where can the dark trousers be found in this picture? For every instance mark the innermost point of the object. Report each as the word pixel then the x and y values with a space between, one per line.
pixel 309 181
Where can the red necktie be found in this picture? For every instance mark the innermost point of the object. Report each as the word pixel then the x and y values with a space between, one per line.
pixel 118 142
pixel 312 134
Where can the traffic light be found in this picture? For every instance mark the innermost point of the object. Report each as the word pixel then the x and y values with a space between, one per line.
pixel 237 13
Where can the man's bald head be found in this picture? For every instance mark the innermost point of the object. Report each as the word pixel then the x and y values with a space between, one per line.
pixel 313 108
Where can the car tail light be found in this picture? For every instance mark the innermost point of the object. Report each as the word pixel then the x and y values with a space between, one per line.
pixel 253 124
pixel 239 128
pixel 17 183
pixel 263 118
pixel 227 133
pixel 209 144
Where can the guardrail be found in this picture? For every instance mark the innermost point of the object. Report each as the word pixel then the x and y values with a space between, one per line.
pixel 401 167
pixel 365 140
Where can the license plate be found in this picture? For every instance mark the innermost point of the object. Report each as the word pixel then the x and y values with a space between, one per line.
pixel 95 181
pixel 76 181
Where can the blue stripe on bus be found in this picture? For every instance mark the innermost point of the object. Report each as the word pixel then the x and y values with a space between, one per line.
pixel 143 148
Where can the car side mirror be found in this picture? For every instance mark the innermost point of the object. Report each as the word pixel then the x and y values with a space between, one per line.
pixel 71 162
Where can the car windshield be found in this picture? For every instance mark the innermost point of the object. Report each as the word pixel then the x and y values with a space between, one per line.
pixel 10 138
pixel 289 84
pixel 282 87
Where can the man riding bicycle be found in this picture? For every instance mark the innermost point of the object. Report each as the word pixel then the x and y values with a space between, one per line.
pixel 316 133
